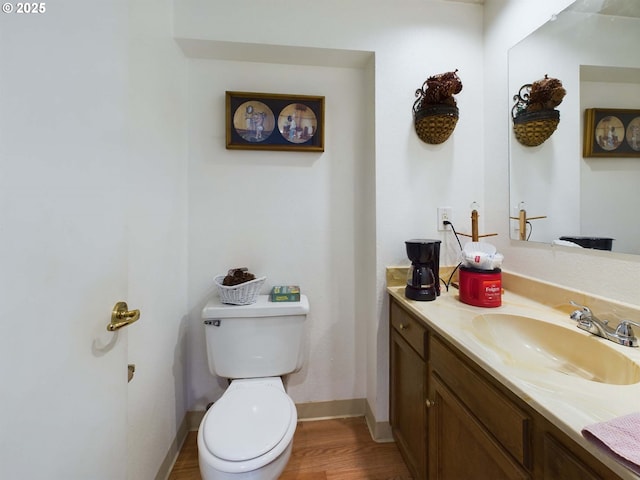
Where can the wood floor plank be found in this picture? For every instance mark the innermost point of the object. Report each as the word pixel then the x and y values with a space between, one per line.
pixel 303 476
pixel 322 450
pixel 186 466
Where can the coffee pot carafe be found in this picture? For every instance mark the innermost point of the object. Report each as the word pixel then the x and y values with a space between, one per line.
pixel 423 282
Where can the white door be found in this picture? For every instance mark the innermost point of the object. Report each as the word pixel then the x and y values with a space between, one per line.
pixel 62 241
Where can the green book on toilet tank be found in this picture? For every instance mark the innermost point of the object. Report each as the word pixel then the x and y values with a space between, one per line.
pixel 285 293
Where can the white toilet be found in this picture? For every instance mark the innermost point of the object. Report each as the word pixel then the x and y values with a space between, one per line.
pixel 247 434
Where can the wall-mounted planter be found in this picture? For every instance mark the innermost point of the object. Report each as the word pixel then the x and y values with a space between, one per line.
pixel 434 124
pixel 534 116
pixel 435 113
pixel 533 129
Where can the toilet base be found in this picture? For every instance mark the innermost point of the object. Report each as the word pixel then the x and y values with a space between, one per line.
pixel 271 471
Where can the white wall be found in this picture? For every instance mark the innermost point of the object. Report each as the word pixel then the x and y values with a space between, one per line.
pixel 410 42
pixel 412 177
pixel 612 275
pixel 157 226
pixel 289 216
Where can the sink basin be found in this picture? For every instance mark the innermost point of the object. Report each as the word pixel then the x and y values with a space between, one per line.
pixel 534 345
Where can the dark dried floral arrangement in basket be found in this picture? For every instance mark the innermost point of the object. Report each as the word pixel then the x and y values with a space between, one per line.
pixel 236 276
pixel 435 112
pixel 534 115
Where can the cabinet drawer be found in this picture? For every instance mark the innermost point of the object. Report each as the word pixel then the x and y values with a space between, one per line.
pixel 408 327
pixel 507 423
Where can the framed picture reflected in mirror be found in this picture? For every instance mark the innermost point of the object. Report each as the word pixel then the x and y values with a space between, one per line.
pixel 611 132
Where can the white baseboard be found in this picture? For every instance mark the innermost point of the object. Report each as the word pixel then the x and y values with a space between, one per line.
pixel 354 407
pixel 380 431
pixel 172 454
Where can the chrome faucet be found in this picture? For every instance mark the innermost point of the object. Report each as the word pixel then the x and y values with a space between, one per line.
pixel 622 334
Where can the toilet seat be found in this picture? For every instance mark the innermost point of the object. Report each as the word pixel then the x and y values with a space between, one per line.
pixel 248 423
pixel 257 417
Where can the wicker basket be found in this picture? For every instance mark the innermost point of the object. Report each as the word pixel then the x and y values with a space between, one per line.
pixel 533 129
pixel 241 294
pixel 435 123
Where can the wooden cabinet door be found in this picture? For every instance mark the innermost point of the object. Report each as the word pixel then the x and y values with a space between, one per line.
pixel 407 413
pixel 459 446
pixel 508 425
pixel 560 464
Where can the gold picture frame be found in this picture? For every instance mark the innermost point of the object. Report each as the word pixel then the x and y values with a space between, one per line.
pixel 271 121
pixel 611 132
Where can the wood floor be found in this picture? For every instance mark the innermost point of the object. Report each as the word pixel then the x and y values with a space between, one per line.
pixel 322 450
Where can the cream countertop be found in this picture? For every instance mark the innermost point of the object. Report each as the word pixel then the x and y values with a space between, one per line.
pixel 569 402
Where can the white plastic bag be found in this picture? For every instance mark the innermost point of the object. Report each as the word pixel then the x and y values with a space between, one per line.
pixel 481 255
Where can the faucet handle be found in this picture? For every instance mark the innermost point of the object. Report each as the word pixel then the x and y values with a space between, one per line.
pixel 583 315
pixel 625 334
pixel 624 328
pixel 583 307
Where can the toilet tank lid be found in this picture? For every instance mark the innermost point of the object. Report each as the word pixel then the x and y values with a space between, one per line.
pixel 263 307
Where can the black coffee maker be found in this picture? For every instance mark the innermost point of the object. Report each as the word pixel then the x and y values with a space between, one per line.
pixel 423 282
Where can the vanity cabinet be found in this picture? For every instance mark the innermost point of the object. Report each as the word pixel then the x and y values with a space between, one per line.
pixel 452 420
pixel 473 428
pixel 408 389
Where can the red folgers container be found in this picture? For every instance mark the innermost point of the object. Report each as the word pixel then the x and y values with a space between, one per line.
pixel 481 288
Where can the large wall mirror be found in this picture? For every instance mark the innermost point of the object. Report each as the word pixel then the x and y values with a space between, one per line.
pixel 593 47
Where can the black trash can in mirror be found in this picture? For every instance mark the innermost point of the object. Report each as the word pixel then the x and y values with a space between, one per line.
pixel 597 243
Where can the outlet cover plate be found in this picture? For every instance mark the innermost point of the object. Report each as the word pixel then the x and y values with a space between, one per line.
pixel 444 213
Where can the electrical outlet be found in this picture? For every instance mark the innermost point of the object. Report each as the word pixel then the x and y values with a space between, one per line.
pixel 444 214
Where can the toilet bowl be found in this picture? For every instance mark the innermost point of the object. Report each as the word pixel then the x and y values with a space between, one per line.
pixel 248 433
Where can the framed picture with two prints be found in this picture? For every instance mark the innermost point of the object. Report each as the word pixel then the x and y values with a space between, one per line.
pixel 611 132
pixel 270 121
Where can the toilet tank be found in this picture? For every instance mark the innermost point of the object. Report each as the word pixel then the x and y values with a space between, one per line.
pixel 264 339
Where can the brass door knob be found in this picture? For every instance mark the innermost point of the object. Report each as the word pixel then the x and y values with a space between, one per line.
pixel 430 403
pixel 121 316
